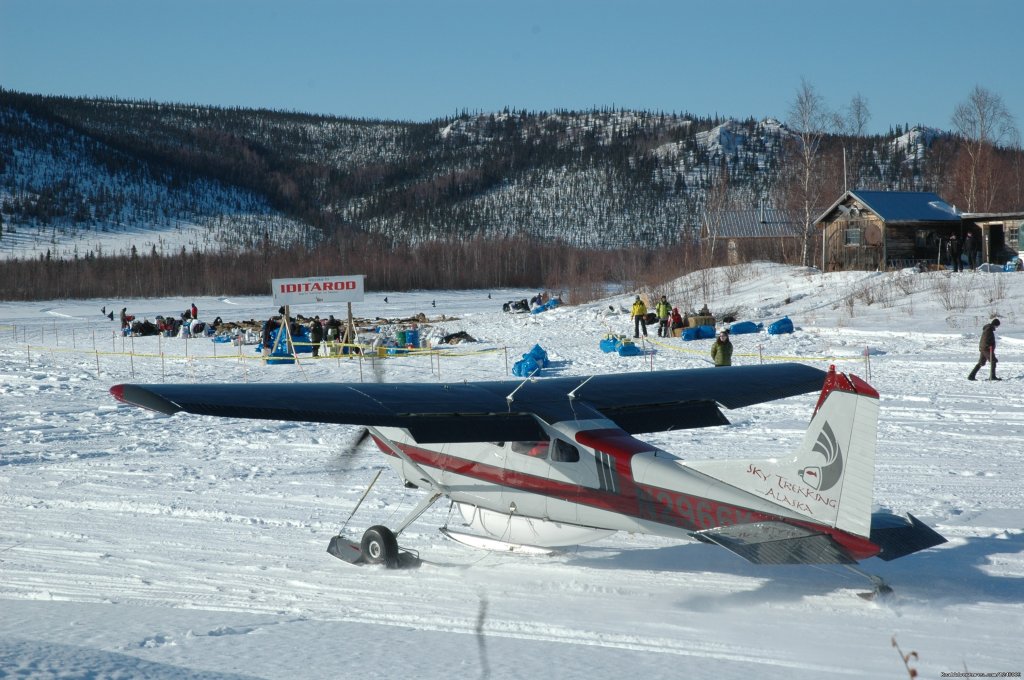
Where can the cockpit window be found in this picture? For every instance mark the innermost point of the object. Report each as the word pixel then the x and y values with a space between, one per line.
pixel 532 449
pixel 564 452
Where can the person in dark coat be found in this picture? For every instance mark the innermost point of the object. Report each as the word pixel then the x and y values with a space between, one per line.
pixel 316 335
pixel 953 252
pixel 987 347
pixel 971 248
pixel 269 327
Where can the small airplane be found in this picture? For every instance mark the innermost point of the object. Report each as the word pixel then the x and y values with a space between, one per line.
pixel 546 463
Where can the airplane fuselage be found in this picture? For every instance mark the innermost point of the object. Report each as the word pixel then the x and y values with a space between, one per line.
pixel 590 479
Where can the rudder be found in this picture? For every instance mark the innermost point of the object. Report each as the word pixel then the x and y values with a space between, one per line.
pixel 830 478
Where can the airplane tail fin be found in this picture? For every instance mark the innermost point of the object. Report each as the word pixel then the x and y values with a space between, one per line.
pixel 829 479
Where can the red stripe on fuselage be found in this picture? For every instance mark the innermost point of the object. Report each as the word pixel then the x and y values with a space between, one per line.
pixel 513 479
pixel 613 441
pixel 662 506
pixel 651 503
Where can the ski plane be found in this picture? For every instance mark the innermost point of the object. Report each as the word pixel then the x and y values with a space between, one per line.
pixel 552 462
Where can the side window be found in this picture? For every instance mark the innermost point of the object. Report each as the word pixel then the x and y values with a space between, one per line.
pixel 532 449
pixel 564 452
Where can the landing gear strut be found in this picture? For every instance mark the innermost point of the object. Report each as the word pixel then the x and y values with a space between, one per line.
pixel 379 544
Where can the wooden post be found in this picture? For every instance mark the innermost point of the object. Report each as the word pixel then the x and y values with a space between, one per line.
pixel 290 345
pixel 351 332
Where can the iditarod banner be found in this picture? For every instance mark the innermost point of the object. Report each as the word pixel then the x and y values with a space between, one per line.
pixel 318 289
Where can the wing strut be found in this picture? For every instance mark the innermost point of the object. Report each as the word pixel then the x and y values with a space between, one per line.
pixel 512 394
pixel 572 394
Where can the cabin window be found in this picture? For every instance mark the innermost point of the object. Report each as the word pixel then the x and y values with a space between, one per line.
pixel 564 452
pixel 852 235
pixel 532 449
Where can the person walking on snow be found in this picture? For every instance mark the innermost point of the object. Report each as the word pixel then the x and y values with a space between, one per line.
pixel 987 347
pixel 662 310
pixel 639 317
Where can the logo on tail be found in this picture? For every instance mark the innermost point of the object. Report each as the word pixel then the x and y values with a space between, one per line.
pixel 825 476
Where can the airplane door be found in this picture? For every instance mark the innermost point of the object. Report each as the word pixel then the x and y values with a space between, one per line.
pixel 526 473
pixel 573 473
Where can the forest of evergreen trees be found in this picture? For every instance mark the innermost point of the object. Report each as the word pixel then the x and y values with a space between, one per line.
pixel 511 198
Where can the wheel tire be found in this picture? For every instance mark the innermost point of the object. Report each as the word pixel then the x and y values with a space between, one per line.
pixel 379 546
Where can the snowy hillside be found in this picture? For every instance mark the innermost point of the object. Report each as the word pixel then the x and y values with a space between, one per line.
pixel 77 173
pixel 86 197
pixel 139 545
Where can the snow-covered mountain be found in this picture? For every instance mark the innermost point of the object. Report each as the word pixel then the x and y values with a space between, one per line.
pixel 74 171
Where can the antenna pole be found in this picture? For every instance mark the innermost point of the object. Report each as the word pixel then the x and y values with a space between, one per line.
pixel 845 185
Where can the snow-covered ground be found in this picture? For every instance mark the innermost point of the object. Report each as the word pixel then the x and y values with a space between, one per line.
pixel 138 545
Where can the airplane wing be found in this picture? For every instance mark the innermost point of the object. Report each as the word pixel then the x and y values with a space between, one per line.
pixel 493 410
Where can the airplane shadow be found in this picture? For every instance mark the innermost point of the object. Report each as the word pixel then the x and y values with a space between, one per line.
pixel 944 576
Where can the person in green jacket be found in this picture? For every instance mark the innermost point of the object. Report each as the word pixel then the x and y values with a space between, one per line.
pixel 662 310
pixel 721 351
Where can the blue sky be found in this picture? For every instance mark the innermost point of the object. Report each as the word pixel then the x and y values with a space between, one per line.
pixel 422 59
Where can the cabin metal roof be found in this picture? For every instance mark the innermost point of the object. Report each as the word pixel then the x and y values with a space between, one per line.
pixel 754 223
pixel 899 206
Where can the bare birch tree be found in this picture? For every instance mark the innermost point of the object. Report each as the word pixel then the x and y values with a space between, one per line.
pixel 718 199
pixel 985 123
pixel 852 123
pixel 809 120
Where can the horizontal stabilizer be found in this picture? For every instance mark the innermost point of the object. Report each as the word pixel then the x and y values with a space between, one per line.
pixel 777 543
pixel 898 536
